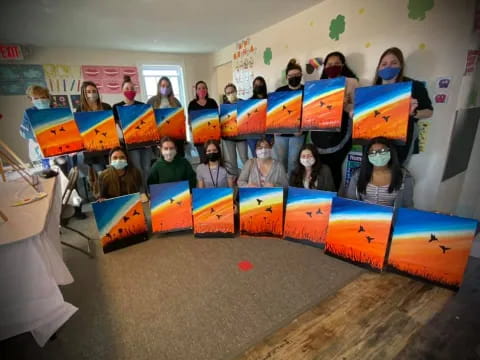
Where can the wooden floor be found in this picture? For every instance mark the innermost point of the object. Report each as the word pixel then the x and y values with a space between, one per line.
pixel 373 317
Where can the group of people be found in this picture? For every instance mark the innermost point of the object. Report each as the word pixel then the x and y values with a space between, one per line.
pixel 278 160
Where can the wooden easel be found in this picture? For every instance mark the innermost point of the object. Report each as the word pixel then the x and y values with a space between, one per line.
pixel 7 155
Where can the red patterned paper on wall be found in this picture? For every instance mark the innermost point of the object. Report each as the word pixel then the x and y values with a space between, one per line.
pixel 109 79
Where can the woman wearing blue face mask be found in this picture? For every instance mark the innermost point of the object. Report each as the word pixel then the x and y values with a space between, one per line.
pixel 381 179
pixel 390 70
pixel 119 178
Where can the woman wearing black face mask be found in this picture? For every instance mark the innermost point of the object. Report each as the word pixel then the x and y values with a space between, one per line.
pixel 211 173
pixel 287 146
pixel 259 92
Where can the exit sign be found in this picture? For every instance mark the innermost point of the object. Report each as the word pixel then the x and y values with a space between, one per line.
pixel 10 52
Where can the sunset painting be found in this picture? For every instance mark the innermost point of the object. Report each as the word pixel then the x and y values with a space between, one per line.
pixel 252 116
pixel 228 120
pixel 307 215
pixel 56 131
pixel 97 129
pixel 323 104
pixel 432 246
pixel 284 112
pixel 213 212
pixel 171 122
pixel 138 125
pixel 382 110
pixel 261 211
pixel 358 232
pixel 171 207
pixel 120 222
pixel 205 125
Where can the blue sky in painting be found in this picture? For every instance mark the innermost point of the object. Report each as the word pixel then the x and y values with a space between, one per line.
pixel 369 98
pixel 129 114
pixel 207 196
pixel 109 212
pixel 163 192
pixel 318 88
pixel 87 120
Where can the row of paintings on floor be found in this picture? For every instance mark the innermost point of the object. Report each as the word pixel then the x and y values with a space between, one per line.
pixel 427 245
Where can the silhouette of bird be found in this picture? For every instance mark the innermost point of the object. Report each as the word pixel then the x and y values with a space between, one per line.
pixel 168 121
pixel 135 212
pixel 322 103
pixel 172 201
pixel 256 110
pixel 444 248
pixel 104 134
pixel 126 218
pixel 289 111
pixel 142 122
pixel 120 231
pixel 62 129
pixel 361 229
pixel 329 107
pixel 319 212
pixel 214 126
pixel 259 201
pixel 97 131
pixel 376 113
pixel 218 216
pixel 100 141
pixel 208 123
pixel 60 148
pixel 309 213
pixel 137 127
pixel 369 238
pixel 212 210
pixel 432 238
pixel 248 114
pixel 284 107
pixel 228 116
pixel 108 235
pixel 179 203
pixel 54 132
pixel 386 118
pixel 269 209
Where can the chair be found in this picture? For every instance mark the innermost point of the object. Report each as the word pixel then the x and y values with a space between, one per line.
pixel 68 211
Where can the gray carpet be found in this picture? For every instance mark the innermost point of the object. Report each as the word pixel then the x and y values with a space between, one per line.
pixel 178 297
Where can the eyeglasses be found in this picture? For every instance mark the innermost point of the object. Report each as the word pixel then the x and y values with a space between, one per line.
pixel 379 151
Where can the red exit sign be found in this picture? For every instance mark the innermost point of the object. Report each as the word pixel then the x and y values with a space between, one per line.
pixel 10 52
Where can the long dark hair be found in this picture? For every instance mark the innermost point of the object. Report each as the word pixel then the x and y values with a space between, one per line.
pixel 217 145
pixel 84 105
pixel 366 168
pixel 399 55
pixel 196 86
pixel 255 96
pixel 293 65
pixel 296 179
pixel 346 71
pixel 115 149
pixel 171 97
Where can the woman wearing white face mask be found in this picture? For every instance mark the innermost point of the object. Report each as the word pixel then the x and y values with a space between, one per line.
pixel 170 167
pixel 263 171
pixel 310 173
pixel 120 178
pixel 90 98
pixel 381 179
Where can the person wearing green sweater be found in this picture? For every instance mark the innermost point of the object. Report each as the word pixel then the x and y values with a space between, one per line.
pixel 170 167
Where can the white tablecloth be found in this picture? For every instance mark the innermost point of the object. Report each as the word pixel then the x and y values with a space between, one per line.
pixel 31 267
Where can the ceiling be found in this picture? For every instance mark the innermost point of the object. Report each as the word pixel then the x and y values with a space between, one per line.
pixel 193 26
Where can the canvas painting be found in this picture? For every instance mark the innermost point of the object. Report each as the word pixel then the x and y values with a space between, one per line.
pixel 261 211
pixel 138 125
pixel 97 129
pixel 431 246
pixel 323 104
pixel 171 122
pixel 171 207
pixel 56 131
pixel 252 117
pixel 120 222
pixel 284 112
pixel 382 110
pixel 307 215
pixel 358 232
pixel 213 212
pixel 228 120
pixel 205 125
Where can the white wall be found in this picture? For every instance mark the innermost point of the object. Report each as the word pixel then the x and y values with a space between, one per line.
pixel 195 67
pixel 436 46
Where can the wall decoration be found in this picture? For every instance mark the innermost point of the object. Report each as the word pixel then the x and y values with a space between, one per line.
pixel 243 63
pixel 267 56
pixel 15 79
pixel 205 125
pixel 432 246
pixel 443 82
pixel 323 104
pixel 97 129
pixel 171 122
pixel 213 212
pixel 171 207
pixel 440 98
pixel 337 27
pixel 109 78
pixel 359 232
pixel 417 9
pixel 120 222
pixel 138 125
pixel 252 116
pixel 62 78
pixel 228 120
pixel 75 101
pixel 56 131
pixel 60 101
pixel 473 58
pixel 261 211
pixel 284 112
pixel 382 110
pixel 307 215
pixel 354 160
pixel 423 129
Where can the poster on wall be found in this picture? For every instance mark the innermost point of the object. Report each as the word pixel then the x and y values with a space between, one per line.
pixel 171 122
pixel 354 161
pixel 284 112
pixel 243 61
pixel 252 117
pixel 205 125
pixel 15 78
pixel 61 78
pixel 97 129
pixel 138 125
pixel 213 212
pixel 109 78
pixel 60 101
pixel 228 120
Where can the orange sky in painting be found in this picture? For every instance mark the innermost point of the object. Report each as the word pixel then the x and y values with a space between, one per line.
pixel 92 139
pixel 205 132
pixel 229 127
pixel 148 131
pixel 257 220
pixel 256 122
pixel 175 128
pixel 298 225
pixel 316 116
pixel 62 142
pixel 207 222
pixel 281 118
pixel 173 216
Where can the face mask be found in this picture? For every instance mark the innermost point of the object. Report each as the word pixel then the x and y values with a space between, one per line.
pixel 169 155
pixel 119 164
pixel 333 71
pixel 232 97
pixel 307 162
pixel 165 91
pixel 264 153
pixel 294 81
pixel 260 90
pixel 130 94
pixel 213 156
pixel 41 103
pixel 202 93
pixel 380 159
pixel 389 73
pixel 92 97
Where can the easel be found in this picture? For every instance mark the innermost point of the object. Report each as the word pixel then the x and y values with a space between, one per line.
pixel 7 155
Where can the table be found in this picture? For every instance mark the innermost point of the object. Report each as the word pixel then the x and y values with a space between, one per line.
pixel 31 264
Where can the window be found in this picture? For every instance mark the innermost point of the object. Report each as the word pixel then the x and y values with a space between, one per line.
pixel 152 73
